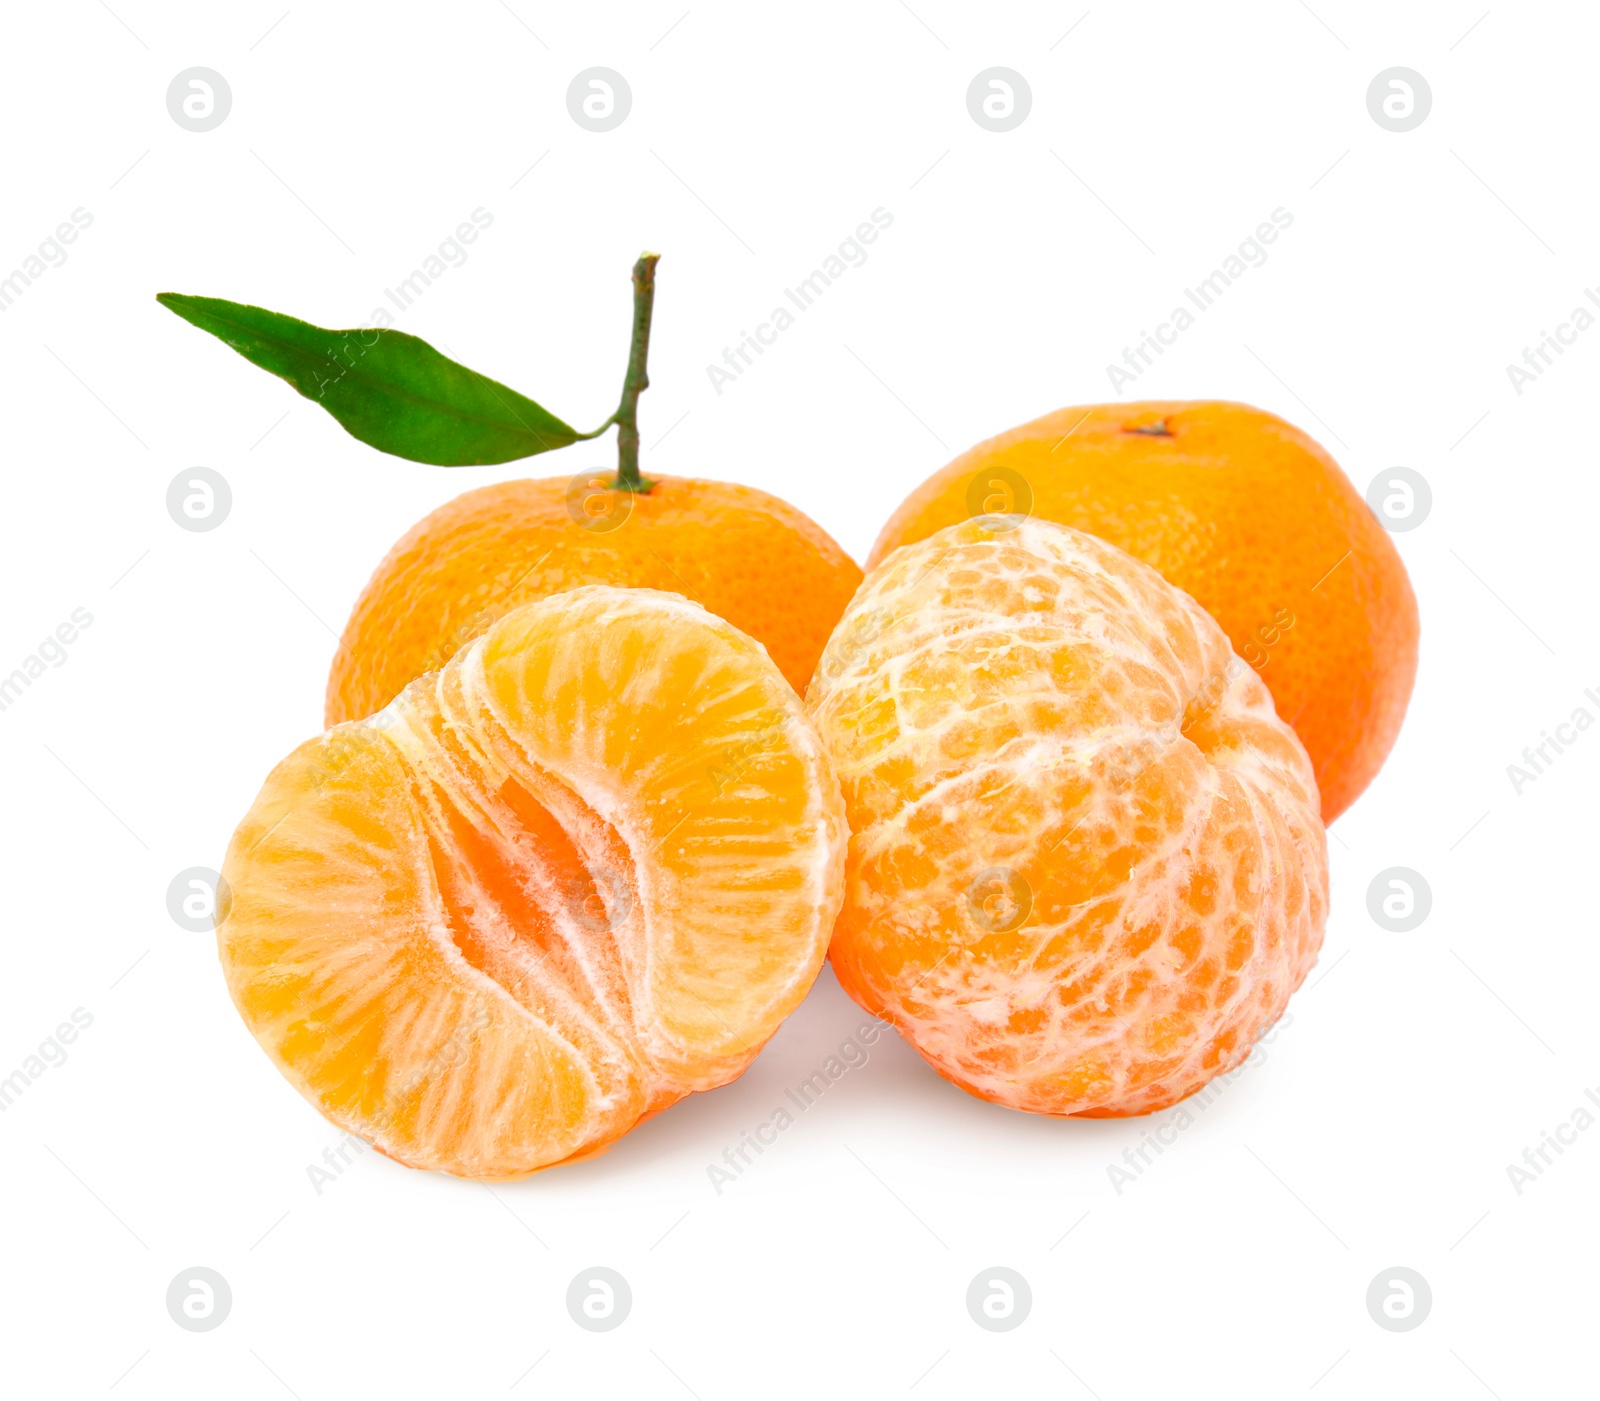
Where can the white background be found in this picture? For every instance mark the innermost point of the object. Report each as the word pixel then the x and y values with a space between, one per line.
pixel 1414 1068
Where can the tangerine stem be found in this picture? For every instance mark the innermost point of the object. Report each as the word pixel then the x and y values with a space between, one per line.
pixel 637 379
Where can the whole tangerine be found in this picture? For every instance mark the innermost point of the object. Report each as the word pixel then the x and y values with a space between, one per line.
pixel 1249 516
pixel 1086 869
pixel 741 553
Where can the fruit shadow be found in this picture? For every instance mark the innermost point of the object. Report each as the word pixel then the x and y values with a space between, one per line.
pixel 831 1062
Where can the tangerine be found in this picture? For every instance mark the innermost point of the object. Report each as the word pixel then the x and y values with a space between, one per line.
pixel 1086 867
pixel 1250 517
pixel 745 555
pixel 584 870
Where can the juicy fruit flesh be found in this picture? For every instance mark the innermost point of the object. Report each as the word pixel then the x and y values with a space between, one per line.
pixel 584 870
pixel 1086 868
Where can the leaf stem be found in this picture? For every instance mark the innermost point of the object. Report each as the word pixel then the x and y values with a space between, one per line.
pixel 637 380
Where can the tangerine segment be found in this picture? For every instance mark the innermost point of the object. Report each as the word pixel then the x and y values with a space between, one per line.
pixel 581 872
pixel 1086 868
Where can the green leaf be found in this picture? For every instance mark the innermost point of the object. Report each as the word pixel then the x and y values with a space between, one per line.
pixel 388 389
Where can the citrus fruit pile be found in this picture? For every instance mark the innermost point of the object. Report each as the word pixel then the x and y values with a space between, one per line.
pixel 613 765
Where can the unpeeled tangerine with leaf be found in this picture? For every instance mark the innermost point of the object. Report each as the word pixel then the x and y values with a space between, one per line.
pixel 746 555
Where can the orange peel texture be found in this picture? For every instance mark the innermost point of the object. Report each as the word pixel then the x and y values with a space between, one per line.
pixel 749 557
pixel 1250 517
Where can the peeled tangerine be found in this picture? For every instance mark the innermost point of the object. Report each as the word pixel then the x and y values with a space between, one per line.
pixel 582 871
pixel 1087 867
